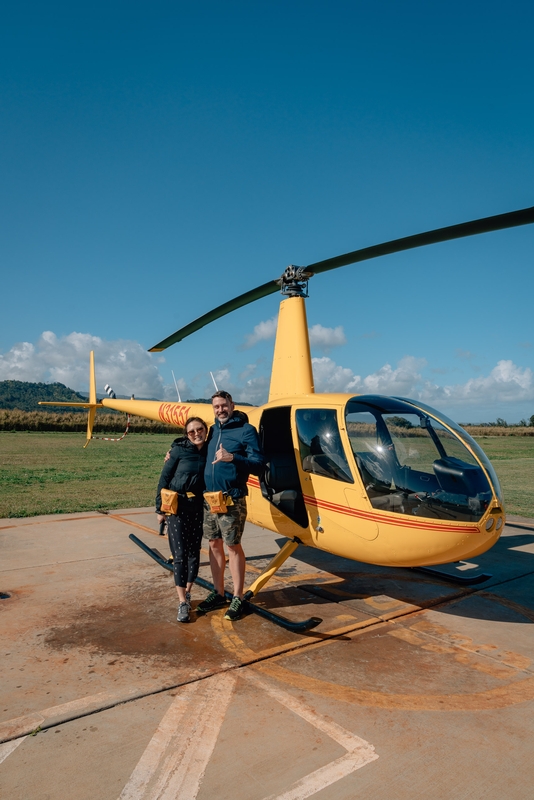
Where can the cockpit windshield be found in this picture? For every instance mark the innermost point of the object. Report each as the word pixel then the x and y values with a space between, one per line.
pixel 482 457
pixel 412 464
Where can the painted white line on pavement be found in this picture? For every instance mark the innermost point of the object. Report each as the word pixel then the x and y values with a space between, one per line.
pixel 321 778
pixel 149 761
pixel 183 771
pixel 345 738
pixel 176 758
pixel 66 712
pixel 360 752
pixel 7 748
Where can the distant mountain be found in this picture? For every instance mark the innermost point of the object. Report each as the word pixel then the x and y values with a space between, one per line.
pixel 25 396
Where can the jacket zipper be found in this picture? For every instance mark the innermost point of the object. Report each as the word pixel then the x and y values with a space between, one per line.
pixel 216 448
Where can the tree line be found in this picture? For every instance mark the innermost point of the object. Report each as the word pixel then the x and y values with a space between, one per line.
pixel 17 420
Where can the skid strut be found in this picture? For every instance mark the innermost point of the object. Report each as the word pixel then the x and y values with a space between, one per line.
pixel 282 556
pixel 278 560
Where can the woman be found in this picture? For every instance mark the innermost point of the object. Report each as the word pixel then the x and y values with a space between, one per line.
pixel 183 472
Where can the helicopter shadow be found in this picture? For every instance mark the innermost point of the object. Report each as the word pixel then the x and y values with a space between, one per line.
pixel 507 596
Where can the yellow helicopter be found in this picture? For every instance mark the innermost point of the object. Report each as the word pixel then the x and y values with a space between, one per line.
pixel 382 480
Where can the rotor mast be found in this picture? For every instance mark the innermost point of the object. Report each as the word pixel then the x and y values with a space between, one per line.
pixel 292 372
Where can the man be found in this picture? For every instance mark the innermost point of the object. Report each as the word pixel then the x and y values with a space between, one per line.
pixel 234 452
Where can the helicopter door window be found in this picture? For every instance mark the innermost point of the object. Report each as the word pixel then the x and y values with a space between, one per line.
pixel 321 449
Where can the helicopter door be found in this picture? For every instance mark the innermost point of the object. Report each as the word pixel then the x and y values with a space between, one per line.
pixel 280 482
pixel 329 489
pixel 328 486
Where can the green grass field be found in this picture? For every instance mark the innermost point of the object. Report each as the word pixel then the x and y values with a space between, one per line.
pixel 51 473
pixel 513 460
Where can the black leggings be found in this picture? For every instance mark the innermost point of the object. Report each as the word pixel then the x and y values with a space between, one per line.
pixel 185 536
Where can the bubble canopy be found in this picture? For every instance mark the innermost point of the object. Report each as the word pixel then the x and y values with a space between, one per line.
pixel 414 460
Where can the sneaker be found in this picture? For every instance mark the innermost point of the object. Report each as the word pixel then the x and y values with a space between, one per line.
pixel 183 612
pixel 236 609
pixel 213 600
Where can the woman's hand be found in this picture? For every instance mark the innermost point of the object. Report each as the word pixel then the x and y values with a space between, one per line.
pixel 161 518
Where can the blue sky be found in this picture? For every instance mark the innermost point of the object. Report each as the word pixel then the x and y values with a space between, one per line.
pixel 158 159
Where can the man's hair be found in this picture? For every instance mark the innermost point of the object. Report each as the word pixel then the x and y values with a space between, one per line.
pixel 224 395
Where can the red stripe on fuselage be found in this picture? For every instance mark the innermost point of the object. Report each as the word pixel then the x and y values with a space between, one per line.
pixel 402 521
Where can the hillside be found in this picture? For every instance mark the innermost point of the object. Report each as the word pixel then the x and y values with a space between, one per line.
pixel 25 396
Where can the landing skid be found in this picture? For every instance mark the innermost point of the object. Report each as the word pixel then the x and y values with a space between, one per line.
pixel 158 557
pixel 277 619
pixel 463 580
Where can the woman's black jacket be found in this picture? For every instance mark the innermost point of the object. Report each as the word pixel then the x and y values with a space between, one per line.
pixel 183 472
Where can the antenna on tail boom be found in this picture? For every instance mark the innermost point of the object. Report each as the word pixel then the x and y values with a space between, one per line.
pixel 213 379
pixel 176 387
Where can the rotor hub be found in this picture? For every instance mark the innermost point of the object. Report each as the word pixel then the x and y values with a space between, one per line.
pixel 294 281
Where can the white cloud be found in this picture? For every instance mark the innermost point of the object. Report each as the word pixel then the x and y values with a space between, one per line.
pixel 329 377
pixel 325 338
pixel 128 368
pixel 255 390
pixel 222 378
pixel 506 383
pixel 186 392
pixel 262 332
pixel 320 337
pixel 247 387
pixel 249 370
pixel 122 363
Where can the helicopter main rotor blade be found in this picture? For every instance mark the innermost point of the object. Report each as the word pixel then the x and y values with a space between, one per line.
pixel 249 297
pixel 499 222
pixel 512 219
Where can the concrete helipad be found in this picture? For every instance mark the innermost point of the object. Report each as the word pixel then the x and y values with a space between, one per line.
pixel 411 687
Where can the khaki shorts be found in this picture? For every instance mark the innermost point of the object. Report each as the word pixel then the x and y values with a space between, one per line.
pixel 228 527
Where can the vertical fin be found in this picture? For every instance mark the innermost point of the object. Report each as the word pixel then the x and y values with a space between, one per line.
pixel 92 397
pixel 92 377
